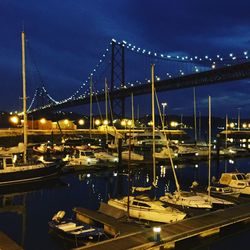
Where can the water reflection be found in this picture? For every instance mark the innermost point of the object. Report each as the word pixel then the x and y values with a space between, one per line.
pixel 87 190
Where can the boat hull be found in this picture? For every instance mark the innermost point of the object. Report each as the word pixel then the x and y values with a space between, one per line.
pixel 143 213
pixel 24 175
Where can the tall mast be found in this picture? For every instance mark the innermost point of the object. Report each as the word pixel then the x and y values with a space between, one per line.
pixel 106 109
pixel 153 119
pixel 90 106
pixel 226 131
pixel 209 143
pixel 25 135
pixel 195 126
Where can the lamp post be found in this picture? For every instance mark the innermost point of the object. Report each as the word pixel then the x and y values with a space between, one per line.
pixel 164 104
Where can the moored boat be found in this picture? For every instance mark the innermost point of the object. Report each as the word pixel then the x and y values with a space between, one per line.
pixel 75 230
pixel 237 181
pixel 81 158
pixel 142 207
pixel 187 199
pixel 13 173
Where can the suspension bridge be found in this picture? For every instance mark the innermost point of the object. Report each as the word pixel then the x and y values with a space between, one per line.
pixel 173 72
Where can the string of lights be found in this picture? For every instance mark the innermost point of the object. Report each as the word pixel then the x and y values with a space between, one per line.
pixel 197 64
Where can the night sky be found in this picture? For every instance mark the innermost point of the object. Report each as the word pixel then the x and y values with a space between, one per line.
pixel 65 40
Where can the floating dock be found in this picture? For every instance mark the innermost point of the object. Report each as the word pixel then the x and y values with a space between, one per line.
pixel 143 238
pixel 8 244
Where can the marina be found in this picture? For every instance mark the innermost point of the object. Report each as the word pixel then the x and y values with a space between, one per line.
pixel 82 193
pixel 130 132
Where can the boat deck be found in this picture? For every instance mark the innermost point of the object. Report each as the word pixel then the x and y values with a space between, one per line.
pixel 201 226
pixel 8 244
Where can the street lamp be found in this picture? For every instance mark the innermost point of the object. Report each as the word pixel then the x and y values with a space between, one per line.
pixel 164 104
pixel 14 120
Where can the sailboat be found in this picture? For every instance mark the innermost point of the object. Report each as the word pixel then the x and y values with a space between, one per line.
pixel 190 199
pixel 14 172
pixel 143 207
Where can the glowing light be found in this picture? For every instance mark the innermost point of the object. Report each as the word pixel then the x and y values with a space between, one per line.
pixel 81 122
pixel 43 120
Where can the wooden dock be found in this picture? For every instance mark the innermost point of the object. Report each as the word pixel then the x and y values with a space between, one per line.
pixel 199 226
pixel 8 244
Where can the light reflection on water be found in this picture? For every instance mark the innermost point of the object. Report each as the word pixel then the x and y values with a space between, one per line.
pixel 88 190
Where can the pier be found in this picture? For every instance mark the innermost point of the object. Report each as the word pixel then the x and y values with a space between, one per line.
pixel 8 244
pixel 199 226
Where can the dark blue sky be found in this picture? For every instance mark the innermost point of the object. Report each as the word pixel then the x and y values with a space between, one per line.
pixel 67 38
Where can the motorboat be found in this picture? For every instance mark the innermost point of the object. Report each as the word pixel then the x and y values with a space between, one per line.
pixel 81 158
pixel 105 156
pixel 222 190
pixel 75 230
pixel 14 172
pixel 42 148
pixel 12 150
pixel 237 181
pixel 187 199
pixel 142 207
pixel 133 156
pixel 165 153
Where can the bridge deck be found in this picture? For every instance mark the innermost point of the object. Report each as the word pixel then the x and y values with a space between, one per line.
pixel 174 232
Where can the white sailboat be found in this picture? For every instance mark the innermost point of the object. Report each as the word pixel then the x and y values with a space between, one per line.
pixel 216 202
pixel 191 199
pixel 142 207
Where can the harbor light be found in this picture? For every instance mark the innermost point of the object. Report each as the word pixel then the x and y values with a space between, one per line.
pixel 43 120
pixel 14 120
pixel 174 124
pixel 81 122
pixel 66 121
pixel 97 122
pixel 157 234
pixel 105 122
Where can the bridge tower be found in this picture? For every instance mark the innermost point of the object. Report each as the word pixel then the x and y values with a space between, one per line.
pixel 41 98
pixel 117 76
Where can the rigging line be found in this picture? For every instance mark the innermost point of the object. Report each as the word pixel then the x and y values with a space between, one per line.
pixel 167 140
pixel 35 64
pixel 110 107
pixel 97 101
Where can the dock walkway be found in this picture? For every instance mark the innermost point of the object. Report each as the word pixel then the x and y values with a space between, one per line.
pixel 202 226
pixel 8 244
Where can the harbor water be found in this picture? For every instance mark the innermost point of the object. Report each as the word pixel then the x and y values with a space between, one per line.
pixel 31 207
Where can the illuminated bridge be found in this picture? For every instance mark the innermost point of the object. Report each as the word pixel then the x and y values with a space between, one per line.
pixel 173 72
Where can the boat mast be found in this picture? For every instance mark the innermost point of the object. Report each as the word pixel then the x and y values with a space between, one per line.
pixel 25 135
pixel 90 106
pixel 153 120
pixel 209 143
pixel 106 109
pixel 226 131
pixel 195 126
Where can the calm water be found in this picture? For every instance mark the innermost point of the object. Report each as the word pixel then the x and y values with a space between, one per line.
pixel 87 189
